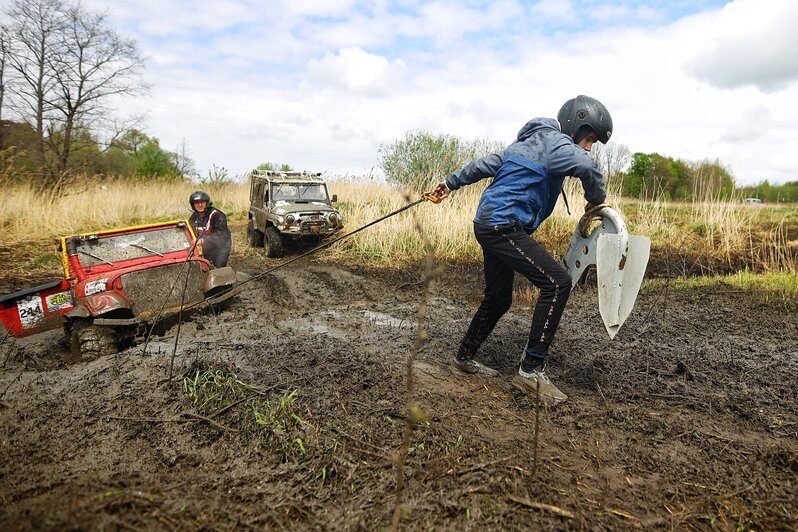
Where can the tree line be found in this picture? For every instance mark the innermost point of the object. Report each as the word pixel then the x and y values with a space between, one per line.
pixel 61 69
pixel 422 158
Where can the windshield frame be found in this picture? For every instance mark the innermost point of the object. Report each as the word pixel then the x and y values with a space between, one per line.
pixel 105 251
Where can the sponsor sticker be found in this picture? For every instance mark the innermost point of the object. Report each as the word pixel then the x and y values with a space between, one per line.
pixel 58 301
pixel 30 310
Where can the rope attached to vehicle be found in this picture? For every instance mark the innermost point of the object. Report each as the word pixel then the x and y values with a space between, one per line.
pixel 428 196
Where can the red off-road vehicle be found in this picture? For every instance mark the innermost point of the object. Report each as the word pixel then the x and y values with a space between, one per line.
pixel 116 283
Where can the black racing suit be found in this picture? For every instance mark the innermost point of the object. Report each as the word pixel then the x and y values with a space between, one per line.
pixel 213 235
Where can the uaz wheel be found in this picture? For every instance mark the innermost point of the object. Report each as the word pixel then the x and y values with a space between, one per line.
pixel 273 243
pixel 254 237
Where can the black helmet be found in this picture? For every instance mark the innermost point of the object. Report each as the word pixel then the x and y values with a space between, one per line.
pixel 199 196
pixel 585 111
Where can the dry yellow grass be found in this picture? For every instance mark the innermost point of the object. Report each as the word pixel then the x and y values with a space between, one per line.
pixel 714 229
pixel 29 215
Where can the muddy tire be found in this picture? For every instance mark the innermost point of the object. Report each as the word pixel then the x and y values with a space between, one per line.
pixel 273 243
pixel 88 341
pixel 254 237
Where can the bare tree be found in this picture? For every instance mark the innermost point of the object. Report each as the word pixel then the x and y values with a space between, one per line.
pixel 118 131
pixel 35 33
pixel 612 159
pixel 5 44
pixel 183 161
pixel 68 66
pixel 94 63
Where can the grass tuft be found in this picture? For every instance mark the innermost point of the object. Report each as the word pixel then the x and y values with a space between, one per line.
pixel 274 424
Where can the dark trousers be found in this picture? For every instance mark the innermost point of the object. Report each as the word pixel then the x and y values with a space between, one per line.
pixel 216 250
pixel 507 250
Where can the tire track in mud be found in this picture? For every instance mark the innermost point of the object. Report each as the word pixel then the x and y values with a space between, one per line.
pixel 308 289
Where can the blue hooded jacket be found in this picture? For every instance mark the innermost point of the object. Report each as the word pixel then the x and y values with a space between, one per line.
pixel 528 176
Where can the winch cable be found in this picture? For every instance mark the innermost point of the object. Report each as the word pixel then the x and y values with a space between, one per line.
pixel 186 264
pixel 427 196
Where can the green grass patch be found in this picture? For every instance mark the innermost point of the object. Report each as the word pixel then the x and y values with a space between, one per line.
pixel 779 288
pixel 271 423
pixel 48 261
pixel 213 389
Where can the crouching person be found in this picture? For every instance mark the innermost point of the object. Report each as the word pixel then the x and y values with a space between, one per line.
pixel 210 225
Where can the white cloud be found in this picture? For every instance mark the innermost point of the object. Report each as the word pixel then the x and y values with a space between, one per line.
pixel 546 10
pixel 751 43
pixel 321 84
pixel 785 157
pixel 307 8
pixel 356 71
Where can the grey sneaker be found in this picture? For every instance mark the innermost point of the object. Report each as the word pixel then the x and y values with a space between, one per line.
pixel 529 382
pixel 471 367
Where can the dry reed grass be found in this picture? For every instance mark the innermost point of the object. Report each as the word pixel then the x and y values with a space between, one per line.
pixel 29 215
pixel 715 230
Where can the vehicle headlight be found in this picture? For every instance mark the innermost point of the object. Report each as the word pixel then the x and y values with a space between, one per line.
pixel 290 218
pixel 333 218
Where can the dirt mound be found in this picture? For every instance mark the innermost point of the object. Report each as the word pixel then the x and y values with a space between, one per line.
pixel 688 419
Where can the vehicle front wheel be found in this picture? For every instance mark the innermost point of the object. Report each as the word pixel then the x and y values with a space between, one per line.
pixel 273 243
pixel 254 237
pixel 88 341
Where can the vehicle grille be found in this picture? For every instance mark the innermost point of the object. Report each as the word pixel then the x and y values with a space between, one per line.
pixel 148 289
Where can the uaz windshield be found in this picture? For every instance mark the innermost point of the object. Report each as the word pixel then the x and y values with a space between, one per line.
pixel 299 192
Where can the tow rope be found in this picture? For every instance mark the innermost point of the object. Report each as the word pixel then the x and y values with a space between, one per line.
pixel 427 196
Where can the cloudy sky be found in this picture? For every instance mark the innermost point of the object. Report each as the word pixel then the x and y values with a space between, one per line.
pixel 321 84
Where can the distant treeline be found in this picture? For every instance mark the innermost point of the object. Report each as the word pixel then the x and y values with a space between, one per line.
pixel 133 154
pixel 788 192
pixel 421 158
pixel 651 175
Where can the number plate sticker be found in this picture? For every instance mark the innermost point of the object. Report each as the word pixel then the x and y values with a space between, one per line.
pixel 30 311
pixel 56 302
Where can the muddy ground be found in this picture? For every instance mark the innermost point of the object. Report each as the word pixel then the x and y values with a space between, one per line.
pixel 687 420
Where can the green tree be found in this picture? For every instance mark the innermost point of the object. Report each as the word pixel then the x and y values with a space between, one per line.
pixel 275 167
pixel 132 140
pixel 788 192
pixel 116 162
pixel 155 162
pixel 422 158
pixel 712 180
pixel 656 176
pixel 634 180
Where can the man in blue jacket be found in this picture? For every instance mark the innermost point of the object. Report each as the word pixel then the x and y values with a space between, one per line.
pixel 527 181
